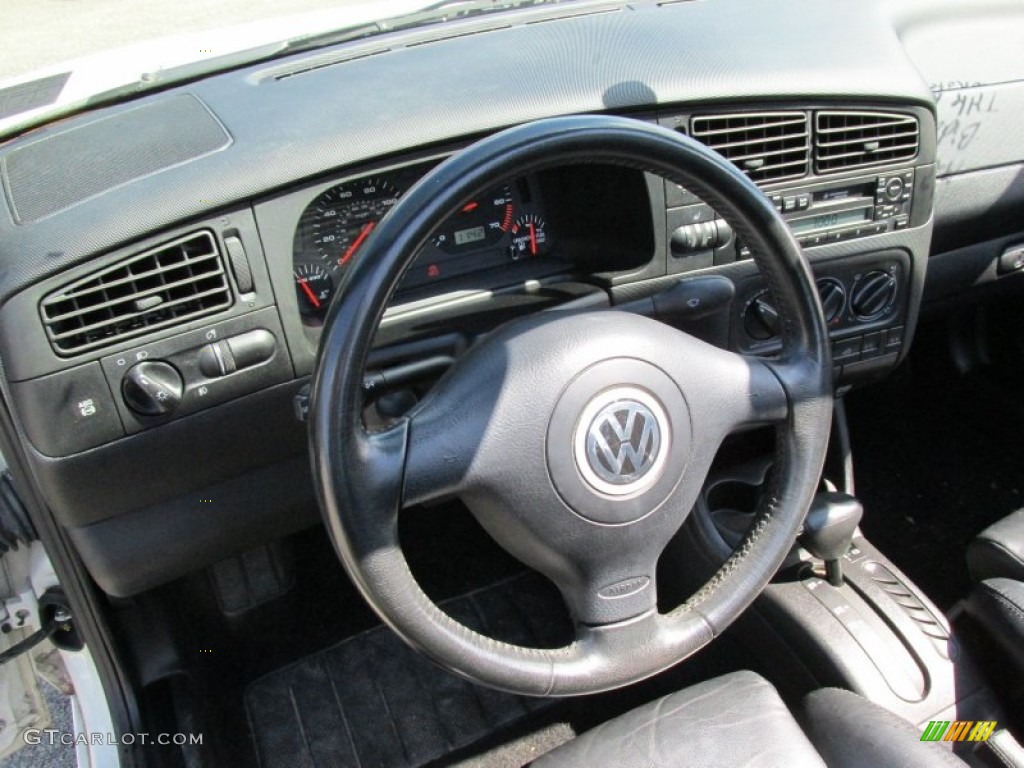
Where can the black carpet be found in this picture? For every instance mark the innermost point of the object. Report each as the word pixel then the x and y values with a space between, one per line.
pixel 372 701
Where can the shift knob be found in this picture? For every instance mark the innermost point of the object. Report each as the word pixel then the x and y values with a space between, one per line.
pixel 828 530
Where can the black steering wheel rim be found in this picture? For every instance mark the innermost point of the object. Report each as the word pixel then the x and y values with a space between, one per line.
pixel 361 476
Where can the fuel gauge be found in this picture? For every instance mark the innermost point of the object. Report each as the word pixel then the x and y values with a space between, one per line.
pixel 529 237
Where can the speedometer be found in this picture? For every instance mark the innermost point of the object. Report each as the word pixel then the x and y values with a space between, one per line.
pixel 337 223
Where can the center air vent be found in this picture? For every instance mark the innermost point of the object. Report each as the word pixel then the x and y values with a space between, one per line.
pixel 767 146
pixel 167 285
pixel 844 140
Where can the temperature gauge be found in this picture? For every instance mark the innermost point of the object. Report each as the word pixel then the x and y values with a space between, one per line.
pixel 313 289
pixel 529 237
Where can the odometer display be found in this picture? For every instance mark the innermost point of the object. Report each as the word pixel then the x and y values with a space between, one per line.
pixel 467 236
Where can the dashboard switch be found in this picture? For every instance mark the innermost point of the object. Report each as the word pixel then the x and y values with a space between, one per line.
pixel 252 348
pixel 239 263
pixel 152 388
pixel 68 412
pixel 214 360
pixel 232 354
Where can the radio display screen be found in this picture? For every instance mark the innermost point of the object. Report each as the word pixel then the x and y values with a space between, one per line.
pixel 830 220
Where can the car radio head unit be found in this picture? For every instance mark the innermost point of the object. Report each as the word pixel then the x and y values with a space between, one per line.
pixel 832 211
pixel 817 213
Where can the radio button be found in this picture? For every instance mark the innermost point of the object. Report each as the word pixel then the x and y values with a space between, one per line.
pixel 803 202
pixel 894 188
pixel 871 229
pixel 902 221
pixel 789 203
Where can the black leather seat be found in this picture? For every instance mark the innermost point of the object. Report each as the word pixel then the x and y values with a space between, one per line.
pixel 998 551
pixel 740 720
pixel 996 605
pixel 996 561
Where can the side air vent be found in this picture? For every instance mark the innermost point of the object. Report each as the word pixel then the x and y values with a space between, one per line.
pixel 167 285
pixel 845 140
pixel 767 146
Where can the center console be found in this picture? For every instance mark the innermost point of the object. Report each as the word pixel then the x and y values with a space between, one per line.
pixel 839 612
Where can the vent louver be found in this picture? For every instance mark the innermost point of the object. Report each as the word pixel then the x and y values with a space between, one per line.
pixel 767 146
pixel 845 140
pixel 164 286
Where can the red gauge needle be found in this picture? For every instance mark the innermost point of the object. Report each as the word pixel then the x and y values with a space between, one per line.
pixel 309 292
pixel 363 234
pixel 533 240
pixel 470 206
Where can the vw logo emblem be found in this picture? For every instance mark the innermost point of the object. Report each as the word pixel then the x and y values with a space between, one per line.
pixel 621 441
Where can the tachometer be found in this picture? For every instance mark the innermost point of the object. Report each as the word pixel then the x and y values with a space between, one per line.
pixel 479 222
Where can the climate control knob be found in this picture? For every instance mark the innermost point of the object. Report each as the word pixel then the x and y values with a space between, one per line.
pixel 873 294
pixel 152 388
pixel 833 298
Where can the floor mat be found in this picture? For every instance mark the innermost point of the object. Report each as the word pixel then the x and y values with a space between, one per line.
pixel 372 701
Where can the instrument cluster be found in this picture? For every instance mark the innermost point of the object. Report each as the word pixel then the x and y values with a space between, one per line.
pixel 498 230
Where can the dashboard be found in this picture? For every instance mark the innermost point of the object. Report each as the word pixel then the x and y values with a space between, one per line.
pixel 167 264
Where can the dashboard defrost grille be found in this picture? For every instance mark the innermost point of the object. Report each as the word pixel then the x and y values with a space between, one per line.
pixel 844 140
pixel 164 286
pixel 767 146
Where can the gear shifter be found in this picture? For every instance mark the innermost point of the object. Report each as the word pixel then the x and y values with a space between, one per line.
pixel 828 530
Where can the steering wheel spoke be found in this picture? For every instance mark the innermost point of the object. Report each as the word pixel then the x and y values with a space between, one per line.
pixel 748 392
pixel 611 591
pixel 438 458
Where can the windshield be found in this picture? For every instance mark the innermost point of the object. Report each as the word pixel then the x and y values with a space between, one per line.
pixel 60 56
pixel 71 30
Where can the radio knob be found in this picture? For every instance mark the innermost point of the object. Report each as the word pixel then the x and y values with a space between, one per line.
pixel 873 295
pixel 761 319
pixel 833 298
pixel 894 188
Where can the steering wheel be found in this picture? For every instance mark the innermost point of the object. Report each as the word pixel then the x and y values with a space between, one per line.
pixel 578 439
